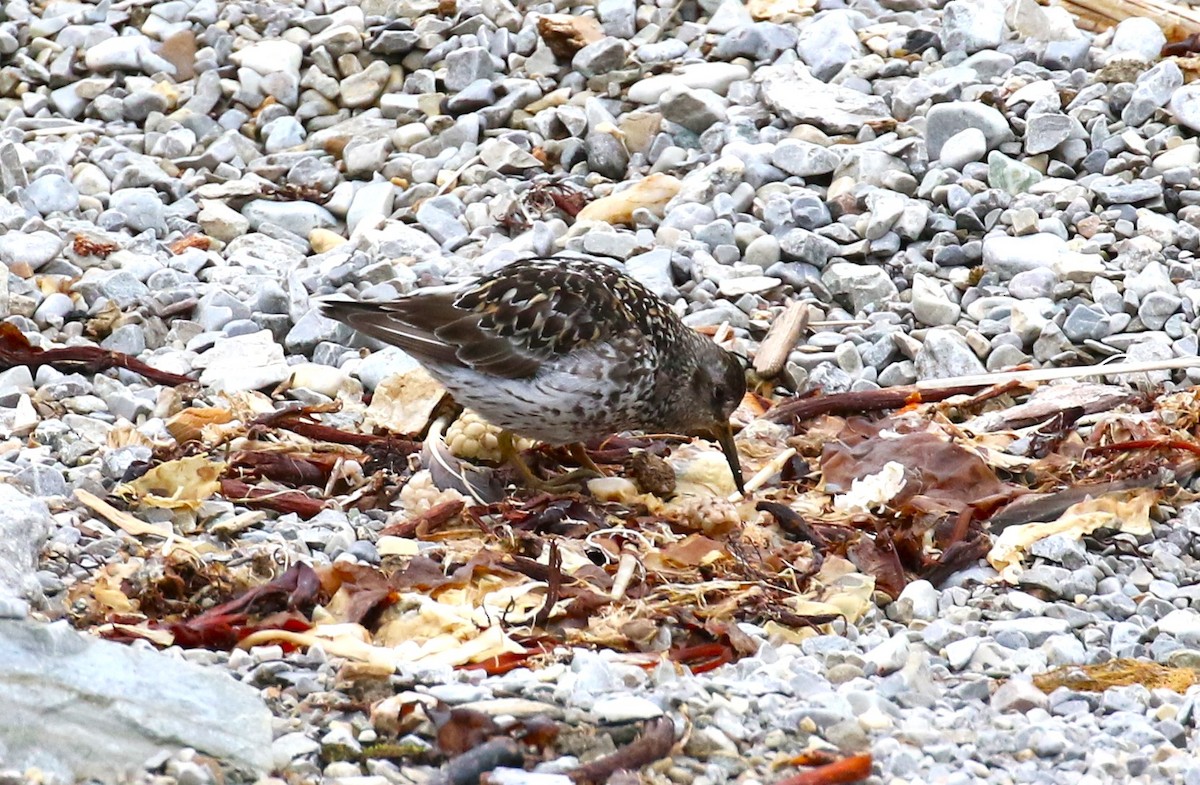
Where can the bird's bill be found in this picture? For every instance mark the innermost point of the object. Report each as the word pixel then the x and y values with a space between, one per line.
pixel 723 433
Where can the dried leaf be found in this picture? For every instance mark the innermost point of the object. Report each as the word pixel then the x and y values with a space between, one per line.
pixel 127 522
pixel 15 350
pixel 1127 512
pixel 86 246
pixel 191 241
pixel 189 424
pixel 221 627
pixel 1098 677
pixel 938 470
pixel 176 485
pixel 402 404
pixel 853 769
pixel 652 194
pixel 566 34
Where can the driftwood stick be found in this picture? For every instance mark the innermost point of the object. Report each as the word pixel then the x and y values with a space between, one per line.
pixel 1054 374
pixel 1176 21
pixel 785 331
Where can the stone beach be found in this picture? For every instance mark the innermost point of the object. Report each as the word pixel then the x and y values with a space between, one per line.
pixel 952 190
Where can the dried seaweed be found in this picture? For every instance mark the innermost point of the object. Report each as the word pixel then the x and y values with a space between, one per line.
pixel 848 508
pixel 15 350
pixel 806 407
pixel 654 744
pixel 852 769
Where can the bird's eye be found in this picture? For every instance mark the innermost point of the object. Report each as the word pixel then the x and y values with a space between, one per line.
pixel 718 399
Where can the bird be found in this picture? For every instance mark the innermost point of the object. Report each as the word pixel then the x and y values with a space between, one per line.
pixel 562 350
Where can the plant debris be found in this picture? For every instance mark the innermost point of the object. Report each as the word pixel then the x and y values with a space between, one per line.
pixel 15 349
pixel 1116 673
pixel 661 561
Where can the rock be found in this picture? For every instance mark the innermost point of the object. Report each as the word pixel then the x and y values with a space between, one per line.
pixel 465 65
pixel 971 25
pixel 124 53
pixel 608 54
pixel 804 159
pixel 81 708
pixel 364 88
pixel 830 41
pixel 918 600
pixel 1184 106
pixel 625 708
pixel 299 217
pixel 1115 190
pixel 1007 256
pixel 1152 90
pixel 1044 132
pixel 606 155
pixel 268 56
pixel 889 656
pixel 947 119
pixel 142 207
pixel 1085 323
pixel 220 221
pixel 1018 694
pixel 53 193
pixel 243 362
pixel 1067 55
pixel 799 98
pixel 709 76
pixel 694 109
pixel 862 286
pixel 964 147
pixel 753 284
pixel 282 134
pixel 441 224
pixel 930 303
pixel 23 529
pixel 619 17
pixel 945 354
pixel 35 249
pixel 1011 176
pixel 1137 38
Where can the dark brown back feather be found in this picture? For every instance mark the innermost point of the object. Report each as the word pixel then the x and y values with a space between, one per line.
pixel 512 321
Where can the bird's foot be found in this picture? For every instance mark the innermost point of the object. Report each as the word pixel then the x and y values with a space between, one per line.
pixel 569 482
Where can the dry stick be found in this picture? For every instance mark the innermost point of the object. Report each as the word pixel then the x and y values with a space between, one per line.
pixel 941 389
pixel 1177 21
pixel 653 745
pixel 1055 374
pixel 786 330
pixel 15 350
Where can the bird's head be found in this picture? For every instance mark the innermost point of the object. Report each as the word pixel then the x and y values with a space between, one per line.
pixel 718 384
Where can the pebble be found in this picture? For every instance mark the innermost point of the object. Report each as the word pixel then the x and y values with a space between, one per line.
pixel 1136 38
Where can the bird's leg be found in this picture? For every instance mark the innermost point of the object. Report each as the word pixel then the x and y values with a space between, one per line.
pixel 512 455
pixel 579 454
pixel 571 481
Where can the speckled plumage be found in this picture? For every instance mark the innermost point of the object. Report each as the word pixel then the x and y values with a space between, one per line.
pixel 561 350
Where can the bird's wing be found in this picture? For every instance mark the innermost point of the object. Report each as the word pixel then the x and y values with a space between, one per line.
pixel 508 323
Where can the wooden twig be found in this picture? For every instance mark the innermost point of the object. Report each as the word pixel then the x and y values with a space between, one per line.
pixel 785 331
pixel 800 409
pixel 1176 20
pixel 1056 374
pixel 653 745
pixel 15 350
